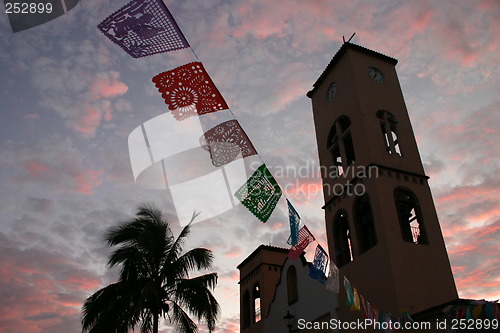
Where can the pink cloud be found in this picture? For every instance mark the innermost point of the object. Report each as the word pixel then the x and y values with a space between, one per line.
pixel 82 99
pixel 56 168
pixel 466 193
pixel 475 265
pixel 107 85
pixel 97 106
pixel 232 276
pixel 462 250
pixel 35 297
pixel 277 226
pixel 87 121
pixel 32 116
pixel 480 282
pixel 36 169
pixel 233 252
pixel 457 47
pixel 304 189
pixel 88 180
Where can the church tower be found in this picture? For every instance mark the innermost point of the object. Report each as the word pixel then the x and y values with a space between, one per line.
pixel 382 227
pixel 259 275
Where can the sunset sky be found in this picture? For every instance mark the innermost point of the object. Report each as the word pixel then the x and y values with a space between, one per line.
pixel 70 98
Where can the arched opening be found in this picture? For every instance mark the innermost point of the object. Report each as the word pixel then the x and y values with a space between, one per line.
pixel 291 284
pixel 340 144
pixel 256 303
pixel 388 125
pixel 364 223
pixel 410 216
pixel 342 238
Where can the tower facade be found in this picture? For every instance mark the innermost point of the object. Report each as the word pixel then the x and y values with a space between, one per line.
pixel 259 275
pixel 382 227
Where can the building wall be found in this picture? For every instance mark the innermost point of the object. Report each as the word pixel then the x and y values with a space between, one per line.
pixel 314 300
pixel 395 274
pixel 261 268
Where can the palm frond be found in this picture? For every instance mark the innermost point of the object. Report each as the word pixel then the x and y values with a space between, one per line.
pixel 178 245
pixel 198 258
pixel 181 319
pixel 150 212
pixel 123 255
pixel 111 309
pixel 125 233
pixel 147 322
pixel 195 295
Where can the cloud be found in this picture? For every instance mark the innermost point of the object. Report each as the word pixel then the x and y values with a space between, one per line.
pixel 39 205
pixel 53 164
pixel 82 99
pixel 476 268
pixel 263 56
pixel 41 291
pixel 235 251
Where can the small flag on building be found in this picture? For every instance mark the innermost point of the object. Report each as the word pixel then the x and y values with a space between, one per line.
pixel 349 292
pixel 294 224
pixel 332 283
pixel 304 239
pixel 356 306
pixel 320 262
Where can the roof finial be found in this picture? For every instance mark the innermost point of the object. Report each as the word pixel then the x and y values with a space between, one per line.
pixel 343 38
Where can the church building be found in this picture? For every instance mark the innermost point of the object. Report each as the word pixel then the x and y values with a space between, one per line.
pixel 386 239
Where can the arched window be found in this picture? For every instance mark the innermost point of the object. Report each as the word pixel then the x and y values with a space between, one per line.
pixel 365 226
pixel 246 309
pixel 388 124
pixel 291 285
pixel 256 303
pixel 410 216
pixel 342 238
pixel 340 144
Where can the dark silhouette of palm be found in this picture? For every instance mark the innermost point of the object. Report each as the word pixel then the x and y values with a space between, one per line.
pixel 154 280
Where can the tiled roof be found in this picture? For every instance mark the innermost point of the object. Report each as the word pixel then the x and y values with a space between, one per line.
pixel 262 247
pixel 339 54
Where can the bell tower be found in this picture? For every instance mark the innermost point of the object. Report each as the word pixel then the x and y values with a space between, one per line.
pixel 259 274
pixel 382 227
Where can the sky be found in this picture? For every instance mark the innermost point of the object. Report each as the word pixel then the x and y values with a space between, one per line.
pixel 70 98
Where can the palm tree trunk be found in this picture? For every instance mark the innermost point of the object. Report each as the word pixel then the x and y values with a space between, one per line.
pixel 155 323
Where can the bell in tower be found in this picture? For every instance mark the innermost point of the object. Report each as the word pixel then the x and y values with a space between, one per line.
pixel 382 227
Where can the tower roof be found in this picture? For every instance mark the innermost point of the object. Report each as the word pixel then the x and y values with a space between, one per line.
pixel 258 250
pixel 339 54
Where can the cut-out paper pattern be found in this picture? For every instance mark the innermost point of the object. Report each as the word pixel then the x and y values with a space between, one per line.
pixel 332 283
pixel 227 142
pixel 188 91
pixel 317 270
pixel 304 239
pixel 144 27
pixel 260 193
pixel 294 224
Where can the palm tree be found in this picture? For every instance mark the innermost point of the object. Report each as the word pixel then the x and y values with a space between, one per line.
pixel 154 280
